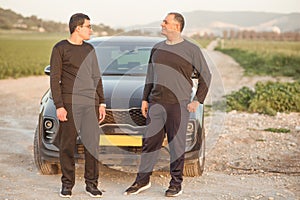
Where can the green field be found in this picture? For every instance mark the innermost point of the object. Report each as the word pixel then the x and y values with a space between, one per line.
pixel 25 54
pixel 274 58
pixel 203 42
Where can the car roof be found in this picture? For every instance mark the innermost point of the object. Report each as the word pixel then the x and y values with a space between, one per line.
pixel 126 39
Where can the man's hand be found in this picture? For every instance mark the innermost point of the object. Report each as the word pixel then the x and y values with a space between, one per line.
pixel 193 106
pixel 102 113
pixel 144 108
pixel 61 114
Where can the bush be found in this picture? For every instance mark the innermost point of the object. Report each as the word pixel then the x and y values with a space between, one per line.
pixel 239 100
pixel 268 98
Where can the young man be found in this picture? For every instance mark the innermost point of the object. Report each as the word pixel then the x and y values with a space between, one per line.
pixel 166 102
pixel 77 92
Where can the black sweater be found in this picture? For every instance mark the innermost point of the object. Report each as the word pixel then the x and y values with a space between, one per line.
pixel 170 70
pixel 75 75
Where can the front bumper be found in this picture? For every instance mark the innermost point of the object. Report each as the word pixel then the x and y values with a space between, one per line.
pixel 120 143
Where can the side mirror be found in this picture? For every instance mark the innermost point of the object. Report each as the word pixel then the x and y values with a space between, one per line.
pixel 47 70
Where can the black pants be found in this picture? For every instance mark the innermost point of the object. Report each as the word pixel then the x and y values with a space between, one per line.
pixel 164 118
pixel 82 121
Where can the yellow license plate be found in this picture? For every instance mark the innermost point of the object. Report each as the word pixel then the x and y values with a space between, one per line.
pixel 121 140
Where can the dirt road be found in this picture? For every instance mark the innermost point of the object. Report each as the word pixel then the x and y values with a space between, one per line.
pixel 243 161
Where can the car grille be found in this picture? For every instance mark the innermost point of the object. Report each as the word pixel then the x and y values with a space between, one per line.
pixel 132 117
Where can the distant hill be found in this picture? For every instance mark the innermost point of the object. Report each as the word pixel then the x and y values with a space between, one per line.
pixel 9 20
pixel 196 22
pixel 216 22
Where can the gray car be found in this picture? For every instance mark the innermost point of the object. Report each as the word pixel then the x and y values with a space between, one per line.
pixel 123 61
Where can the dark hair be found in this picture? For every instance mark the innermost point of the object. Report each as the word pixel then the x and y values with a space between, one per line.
pixel 179 18
pixel 77 20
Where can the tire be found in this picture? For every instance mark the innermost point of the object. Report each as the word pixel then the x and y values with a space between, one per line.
pixel 195 167
pixel 43 166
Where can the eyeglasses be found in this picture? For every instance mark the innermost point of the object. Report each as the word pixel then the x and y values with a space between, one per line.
pixel 88 26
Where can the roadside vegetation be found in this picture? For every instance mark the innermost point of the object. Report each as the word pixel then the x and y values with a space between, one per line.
pixel 265 58
pixel 266 98
pixel 278 130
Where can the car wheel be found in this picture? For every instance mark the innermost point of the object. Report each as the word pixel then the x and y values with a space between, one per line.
pixel 43 166
pixel 195 167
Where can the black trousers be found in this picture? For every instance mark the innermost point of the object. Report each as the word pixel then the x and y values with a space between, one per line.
pixel 83 122
pixel 170 119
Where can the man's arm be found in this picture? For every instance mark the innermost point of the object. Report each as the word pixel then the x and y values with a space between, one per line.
pixel 55 84
pixel 204 77
pixel 55 77
pixel 148 86
pixel 96 75
pixel 149 78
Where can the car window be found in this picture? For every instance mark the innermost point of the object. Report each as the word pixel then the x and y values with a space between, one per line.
pixel 123 60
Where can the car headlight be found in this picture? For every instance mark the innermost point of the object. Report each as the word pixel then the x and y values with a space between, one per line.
pixel 190 127
pixel 49 130
pixel 48 124
pixel 190 135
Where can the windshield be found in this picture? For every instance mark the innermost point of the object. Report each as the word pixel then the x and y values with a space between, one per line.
pixel 123 59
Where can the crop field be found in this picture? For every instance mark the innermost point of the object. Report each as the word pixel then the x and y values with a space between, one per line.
pixel 267 47
pixel 202 42
pixel 25 54
pixel 274 58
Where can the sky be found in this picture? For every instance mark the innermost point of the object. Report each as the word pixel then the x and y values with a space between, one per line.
pixel 124 13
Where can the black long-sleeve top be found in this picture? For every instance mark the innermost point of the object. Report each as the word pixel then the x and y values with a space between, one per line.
pixel 170 70
pixel 75 75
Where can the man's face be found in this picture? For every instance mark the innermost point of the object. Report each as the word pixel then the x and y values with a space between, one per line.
pixel 169 25
pixel 85 30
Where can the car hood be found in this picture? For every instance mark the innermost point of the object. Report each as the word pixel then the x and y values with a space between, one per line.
pixel 123 92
